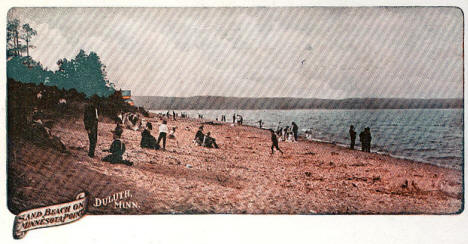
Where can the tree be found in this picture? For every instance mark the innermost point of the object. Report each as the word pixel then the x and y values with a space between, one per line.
pixel 13 44
pixel 85 73
pixel 27 35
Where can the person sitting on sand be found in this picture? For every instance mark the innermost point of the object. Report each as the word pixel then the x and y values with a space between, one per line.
pixel 199 136
pixel 118 128
pixel 274 141
pixel 147 140
pixel 40 134
pixel 172 133
pixel 117 149
pixel 209 141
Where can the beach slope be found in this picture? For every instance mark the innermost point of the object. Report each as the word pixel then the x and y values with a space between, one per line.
pixel 241 177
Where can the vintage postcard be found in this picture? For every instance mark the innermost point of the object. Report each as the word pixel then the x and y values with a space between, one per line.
pixel 234 111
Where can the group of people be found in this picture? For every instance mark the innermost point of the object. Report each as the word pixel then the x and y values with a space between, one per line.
pixel 365 138
pixel 237 118
pixel 288 133
pixel 117 148
pixel 205 140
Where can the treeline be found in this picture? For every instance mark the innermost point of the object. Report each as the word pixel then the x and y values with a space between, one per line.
pixel 85 72
pixel 218 102
pixel 23 100
pixel 33 89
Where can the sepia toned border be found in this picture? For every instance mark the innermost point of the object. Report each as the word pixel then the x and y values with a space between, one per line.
pixel 232 228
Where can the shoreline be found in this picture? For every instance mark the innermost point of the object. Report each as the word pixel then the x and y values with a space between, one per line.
pixel 416 160
pixel 241 177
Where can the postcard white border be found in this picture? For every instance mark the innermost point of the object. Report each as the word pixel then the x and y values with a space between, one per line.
pixel 231 228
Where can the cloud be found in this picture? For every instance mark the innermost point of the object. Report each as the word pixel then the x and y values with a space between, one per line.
pixel 349 52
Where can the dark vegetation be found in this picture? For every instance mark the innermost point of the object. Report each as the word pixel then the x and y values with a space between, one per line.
pixel 78 81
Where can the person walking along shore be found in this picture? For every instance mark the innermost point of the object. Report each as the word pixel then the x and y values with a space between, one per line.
pixel 274 142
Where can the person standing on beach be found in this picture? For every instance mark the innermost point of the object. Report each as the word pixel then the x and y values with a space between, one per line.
pixel 260 123
pixel 90 120
pixel 368 138
pixel 352 134
pixel 163 130
pixel 295 129
pixel 362 140
pixel 234 118
pixel 173 115
pixel 240 119
pixel 365 138
pixel 285 133
pixel 274 142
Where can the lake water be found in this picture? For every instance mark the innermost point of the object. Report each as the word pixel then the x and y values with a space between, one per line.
pixel 427 135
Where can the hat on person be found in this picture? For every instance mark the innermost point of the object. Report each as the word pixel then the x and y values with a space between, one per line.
pixel 118 131
pixel 149 125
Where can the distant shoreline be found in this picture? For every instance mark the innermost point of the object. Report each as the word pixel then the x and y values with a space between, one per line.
pixel 288 103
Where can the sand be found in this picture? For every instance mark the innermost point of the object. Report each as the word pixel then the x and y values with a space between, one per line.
pixel 241 177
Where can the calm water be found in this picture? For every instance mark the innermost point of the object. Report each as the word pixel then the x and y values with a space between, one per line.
pixel 427 135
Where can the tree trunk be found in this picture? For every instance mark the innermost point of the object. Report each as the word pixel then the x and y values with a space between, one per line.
pixel 18 50
pixel 27 47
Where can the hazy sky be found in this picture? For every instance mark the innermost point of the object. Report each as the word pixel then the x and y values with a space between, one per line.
pixel 274 52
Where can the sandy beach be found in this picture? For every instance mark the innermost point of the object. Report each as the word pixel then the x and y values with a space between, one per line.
pixel 241 177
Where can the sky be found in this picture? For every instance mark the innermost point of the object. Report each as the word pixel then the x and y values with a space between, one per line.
pixel 310 52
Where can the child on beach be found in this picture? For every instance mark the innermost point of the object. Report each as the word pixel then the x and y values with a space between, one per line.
pixel 274 141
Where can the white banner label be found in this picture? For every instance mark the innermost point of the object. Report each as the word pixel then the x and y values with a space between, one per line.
pixel 54 215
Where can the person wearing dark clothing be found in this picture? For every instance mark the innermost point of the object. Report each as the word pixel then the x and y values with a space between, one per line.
pixel 368 138
pixel 362 140
pixel 260 124
pixel 365 138
pixel 91 125
pixel 234 118
pixel 352 134
pixel 118 129
pixel 174 115
pixel 209 141
pixel 147 140
pixel 199 136
pixel 295 129
pixel 117 149
pixel 274 141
